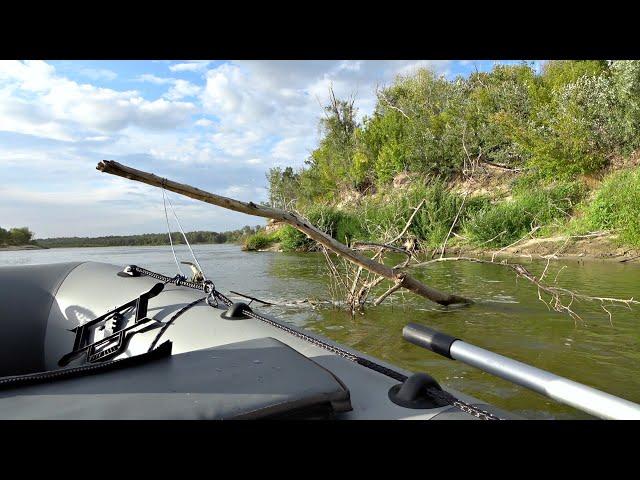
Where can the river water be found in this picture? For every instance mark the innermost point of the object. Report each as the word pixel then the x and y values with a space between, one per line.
pixel 508 317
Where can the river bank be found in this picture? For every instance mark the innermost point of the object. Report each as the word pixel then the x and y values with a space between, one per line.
pixel 12 248
pixel 602 248
pixel 493 212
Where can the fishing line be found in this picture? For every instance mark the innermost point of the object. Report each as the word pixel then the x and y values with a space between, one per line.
pixel 166 216
pixel 185 237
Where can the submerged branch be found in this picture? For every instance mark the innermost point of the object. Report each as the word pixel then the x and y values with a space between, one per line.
pixel 561 299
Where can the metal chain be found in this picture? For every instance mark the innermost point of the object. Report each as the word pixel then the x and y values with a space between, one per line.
pixel 210 289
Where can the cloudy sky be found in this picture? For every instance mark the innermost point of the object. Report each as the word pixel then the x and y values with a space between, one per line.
pixel 217 125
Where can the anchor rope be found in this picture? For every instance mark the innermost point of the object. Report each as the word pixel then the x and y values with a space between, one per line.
pixel 211 290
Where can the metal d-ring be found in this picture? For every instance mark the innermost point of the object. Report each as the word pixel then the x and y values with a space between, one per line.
pixel 209 289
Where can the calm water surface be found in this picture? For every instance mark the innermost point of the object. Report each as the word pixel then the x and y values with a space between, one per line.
pixel 508 318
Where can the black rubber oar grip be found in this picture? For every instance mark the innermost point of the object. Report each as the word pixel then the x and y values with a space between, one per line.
pixel 428 338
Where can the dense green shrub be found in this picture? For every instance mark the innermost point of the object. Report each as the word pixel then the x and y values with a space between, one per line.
pixel 566 120
pixel 559 73
pixel 430 225
pixel 434 219
pixel 293 240
pixel 497 225
pixel 16 236
pixel 261 240
pixel 616 206
pixel 339 224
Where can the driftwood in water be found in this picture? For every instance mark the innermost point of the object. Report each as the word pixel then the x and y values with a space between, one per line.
pixel 400 278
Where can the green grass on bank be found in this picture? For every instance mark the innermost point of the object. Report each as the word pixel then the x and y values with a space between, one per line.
pixel 504 222
pixel 261 240
pixel 614 206
pixel 556 207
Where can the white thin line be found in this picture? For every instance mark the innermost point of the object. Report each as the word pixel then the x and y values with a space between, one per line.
pixel 185 238
pixel 166 216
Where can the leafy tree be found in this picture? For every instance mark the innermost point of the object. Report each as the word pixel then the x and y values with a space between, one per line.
pixel 331 163
pixel 20 236
pixel 283 187
pixel 556 74
pixel 570 118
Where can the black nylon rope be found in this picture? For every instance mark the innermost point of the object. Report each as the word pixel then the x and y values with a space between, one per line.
pixel 163 350
pixel 441 394
pixel 168 323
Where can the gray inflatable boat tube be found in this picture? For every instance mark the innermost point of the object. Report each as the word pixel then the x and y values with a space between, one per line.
pixel 219 368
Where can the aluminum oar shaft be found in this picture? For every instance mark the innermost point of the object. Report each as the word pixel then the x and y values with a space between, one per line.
pixel 577 395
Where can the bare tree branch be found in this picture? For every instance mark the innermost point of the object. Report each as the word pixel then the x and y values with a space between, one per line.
pixel 391 105
pixel 381 298
pixel 301 224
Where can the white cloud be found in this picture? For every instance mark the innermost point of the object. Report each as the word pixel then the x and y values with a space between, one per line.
pixel 30 75
pixel 99 138
pixel 191 66
pixel 17 115
pixel 245 192
pixel 98 73
pixel 203 122
pixel 242 118
pixel 35 100
pixel 149 77
pixel 237 142
pixel 179 88
pixel 291 149
pixel 182 89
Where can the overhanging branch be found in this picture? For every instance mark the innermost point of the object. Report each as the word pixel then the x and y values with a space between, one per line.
pixel 397 276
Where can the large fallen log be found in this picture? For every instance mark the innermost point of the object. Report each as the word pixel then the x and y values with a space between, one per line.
pixel 400 278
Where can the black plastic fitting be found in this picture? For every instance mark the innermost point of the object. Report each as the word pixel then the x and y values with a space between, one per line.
pixel 429 338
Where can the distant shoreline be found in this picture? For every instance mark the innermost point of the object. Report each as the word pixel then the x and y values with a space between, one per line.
pixel 12 248
pixel 133 246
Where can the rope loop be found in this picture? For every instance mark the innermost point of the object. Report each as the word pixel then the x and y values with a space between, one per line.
pixel 210 289
pixel 212 300
pixel 178 279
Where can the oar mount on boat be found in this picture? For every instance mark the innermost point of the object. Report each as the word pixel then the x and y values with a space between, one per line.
pixel 561 389
pixel 113 344
pixel 415 392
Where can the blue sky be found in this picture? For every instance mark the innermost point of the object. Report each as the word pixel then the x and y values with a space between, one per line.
pixel 218 125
